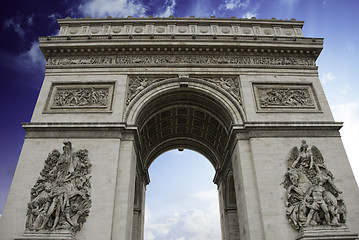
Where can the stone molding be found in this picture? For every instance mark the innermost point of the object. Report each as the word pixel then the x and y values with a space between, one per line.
pixel 54 235
pixel 181 26
pixel 326 232
pixel 123 131
pixel 80 97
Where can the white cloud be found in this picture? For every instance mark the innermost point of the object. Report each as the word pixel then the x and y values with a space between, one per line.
pixel 15 25
pixel 345 89
pixel 54 17
pixel 250 15
pixel 327 77
pixel 349 114
pixel 169 10
pixel 231 4
pixel 26 61
pixel 289 2
pixel 32 58
pixel 210 196
pixel 200 223
pixel 114 8
pixel 30 20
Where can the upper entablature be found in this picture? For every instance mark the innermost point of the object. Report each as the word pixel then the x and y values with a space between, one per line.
pixel 181 26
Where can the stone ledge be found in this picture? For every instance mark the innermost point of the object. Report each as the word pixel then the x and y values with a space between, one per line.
pixel 326 233
pixel 41 235
pixel 125 132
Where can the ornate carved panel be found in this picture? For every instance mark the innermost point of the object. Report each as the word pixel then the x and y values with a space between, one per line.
pixel 60 198
pixel 84 97
pixel 285 97
pixel 138 83
pixel 312 198
pixel 143 60
pixel 228 83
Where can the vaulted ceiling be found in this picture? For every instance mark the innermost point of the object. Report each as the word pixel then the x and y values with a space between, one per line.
pixel 184 119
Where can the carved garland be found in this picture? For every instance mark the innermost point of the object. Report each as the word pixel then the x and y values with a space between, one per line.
pixel 312 198
pixel 181 59
pixel 60 198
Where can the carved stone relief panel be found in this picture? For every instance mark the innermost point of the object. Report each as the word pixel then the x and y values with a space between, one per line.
pixel 287 97
pixel 312 198
pixel 228 83
pixel 158 60
pixel 85 97
pixel 60 198
pixel 138 83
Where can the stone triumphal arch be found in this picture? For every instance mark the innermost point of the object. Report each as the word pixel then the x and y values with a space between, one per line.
pixel 245 93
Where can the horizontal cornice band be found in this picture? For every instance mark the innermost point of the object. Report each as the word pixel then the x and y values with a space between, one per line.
pixel 123 131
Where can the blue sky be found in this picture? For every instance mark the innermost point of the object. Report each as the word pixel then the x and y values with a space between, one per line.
pixel 22 71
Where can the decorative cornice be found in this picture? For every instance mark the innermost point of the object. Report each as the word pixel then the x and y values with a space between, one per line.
pixel 181 26
pixel 180 35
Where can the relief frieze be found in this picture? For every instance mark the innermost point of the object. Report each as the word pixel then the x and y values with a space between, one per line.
pixel 229 84
pixel 141 60
pixel 80 96
pixel 285 97
pixel 271 97
pixel 60 198
pixel 137 84
pixel 312 197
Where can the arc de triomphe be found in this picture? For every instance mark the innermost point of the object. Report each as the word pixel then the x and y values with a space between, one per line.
pixel 245 93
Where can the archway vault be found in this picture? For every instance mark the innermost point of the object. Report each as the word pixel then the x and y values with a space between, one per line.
pixel 184 113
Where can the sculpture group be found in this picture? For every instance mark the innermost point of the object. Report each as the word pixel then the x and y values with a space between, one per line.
pixel 81 97
pixel 312 197
pixel 60 198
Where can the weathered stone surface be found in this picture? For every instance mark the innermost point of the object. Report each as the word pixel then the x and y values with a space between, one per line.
pixel 85 97
pixel 312 197
pixel 60 198
pixel 54 235
pixel 326 233
pixel 241 92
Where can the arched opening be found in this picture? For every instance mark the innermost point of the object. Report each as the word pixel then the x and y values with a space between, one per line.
pixel 181 200
pixel 189 117
pixel 184 118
